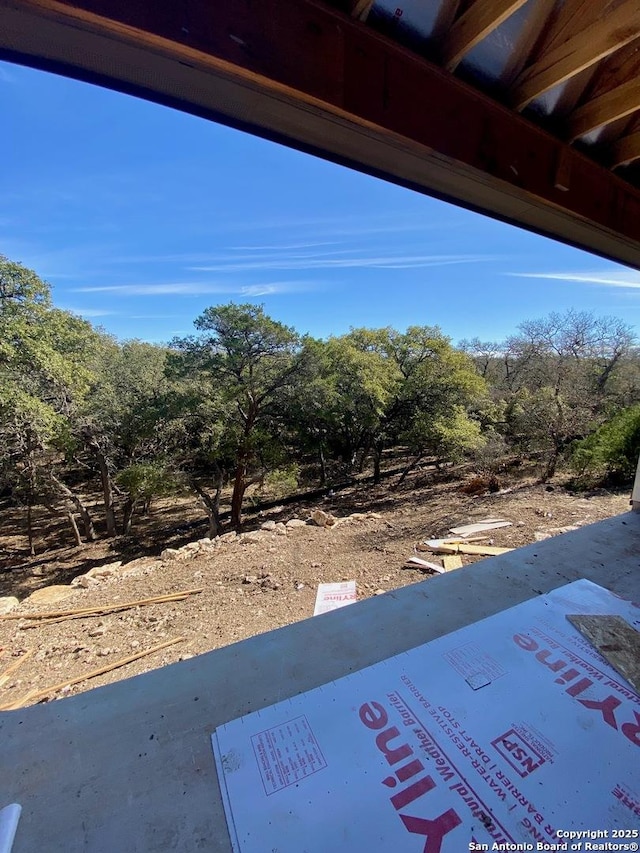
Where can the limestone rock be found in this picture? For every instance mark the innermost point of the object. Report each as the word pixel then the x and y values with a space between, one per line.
pixel 84 581
pixel 280 529
pixel 254 536
pixel 296 522
pixel 322 518
pixel 138 566
pixel 268 525
pixel 228 537
pixel 269 583
pixel 208 545
pixel 50 594
pixel 101 573
pixel 170 554
pixel 7 603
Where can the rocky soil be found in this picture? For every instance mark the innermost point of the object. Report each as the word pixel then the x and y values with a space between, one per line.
pixel 263 579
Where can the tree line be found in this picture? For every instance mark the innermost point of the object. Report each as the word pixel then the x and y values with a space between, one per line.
pixel 247 400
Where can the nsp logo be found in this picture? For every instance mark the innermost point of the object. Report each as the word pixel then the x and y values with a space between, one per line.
pixel 518 753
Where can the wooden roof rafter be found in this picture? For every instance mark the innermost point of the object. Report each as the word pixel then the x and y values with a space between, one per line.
pixel 325 78
pixel 528 40
pixel 605 109
pixel 625 151
pixel 361 9
pixel 611 97
pixel 582 49
pixel 475 24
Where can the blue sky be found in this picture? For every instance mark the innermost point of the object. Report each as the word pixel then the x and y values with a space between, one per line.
pixel 140 217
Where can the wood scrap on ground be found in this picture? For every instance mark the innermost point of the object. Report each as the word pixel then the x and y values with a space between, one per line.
pixel 8 672
pixel 425 564
pixel 472 550
pixel 83 612
pixel 430 544
pixel 480 526
pixel 36 695
pixel 452 561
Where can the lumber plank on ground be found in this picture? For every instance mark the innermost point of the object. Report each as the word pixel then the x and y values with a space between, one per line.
pixel 8 672
pixel 467 530
pixel 35 695
pixel 472 550
pixel 451 561
pixel 425 564
pixel 108 608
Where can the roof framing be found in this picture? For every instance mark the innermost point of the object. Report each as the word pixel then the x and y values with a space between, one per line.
pixel 586 47
pixel 626 150
pixel 481 18
pixel 609 107
pixel 310 76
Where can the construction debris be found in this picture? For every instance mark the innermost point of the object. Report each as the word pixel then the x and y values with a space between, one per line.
pixel 9 817
pixel 37 695
pixel 474 550
pixel 331 596
pixel 616 641
pixel 452 561
pixel 431 544
pixel 480 527
pixel 425 564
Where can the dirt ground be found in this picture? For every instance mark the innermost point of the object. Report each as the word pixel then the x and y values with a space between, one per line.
pixel 247 588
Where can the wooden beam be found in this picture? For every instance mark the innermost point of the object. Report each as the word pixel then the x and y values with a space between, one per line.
pixel 625 150
pixel 361 9
pixel 308 76
pixel 569 18
pixel 444 20
pixel 584 49
pixel 611 106
pixel 473 25
pixel 619 68
pixel 528 38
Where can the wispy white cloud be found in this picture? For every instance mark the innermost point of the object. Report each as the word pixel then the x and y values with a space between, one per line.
pixel 90 312
pixel 357 224
pixel 283 247
pixel 312 262
pixel 193 288
pixel 611 278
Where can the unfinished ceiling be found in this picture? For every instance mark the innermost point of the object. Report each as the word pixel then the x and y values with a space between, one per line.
pixel 569 65
pixel 527 110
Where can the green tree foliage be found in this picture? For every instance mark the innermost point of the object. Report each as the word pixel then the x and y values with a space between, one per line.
pixel 612 451
pixel 562 376
pixel 43 374
pixel 247 401
pixel 142 482
pixel 435 391
pixel 120 421
pixel 250 360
